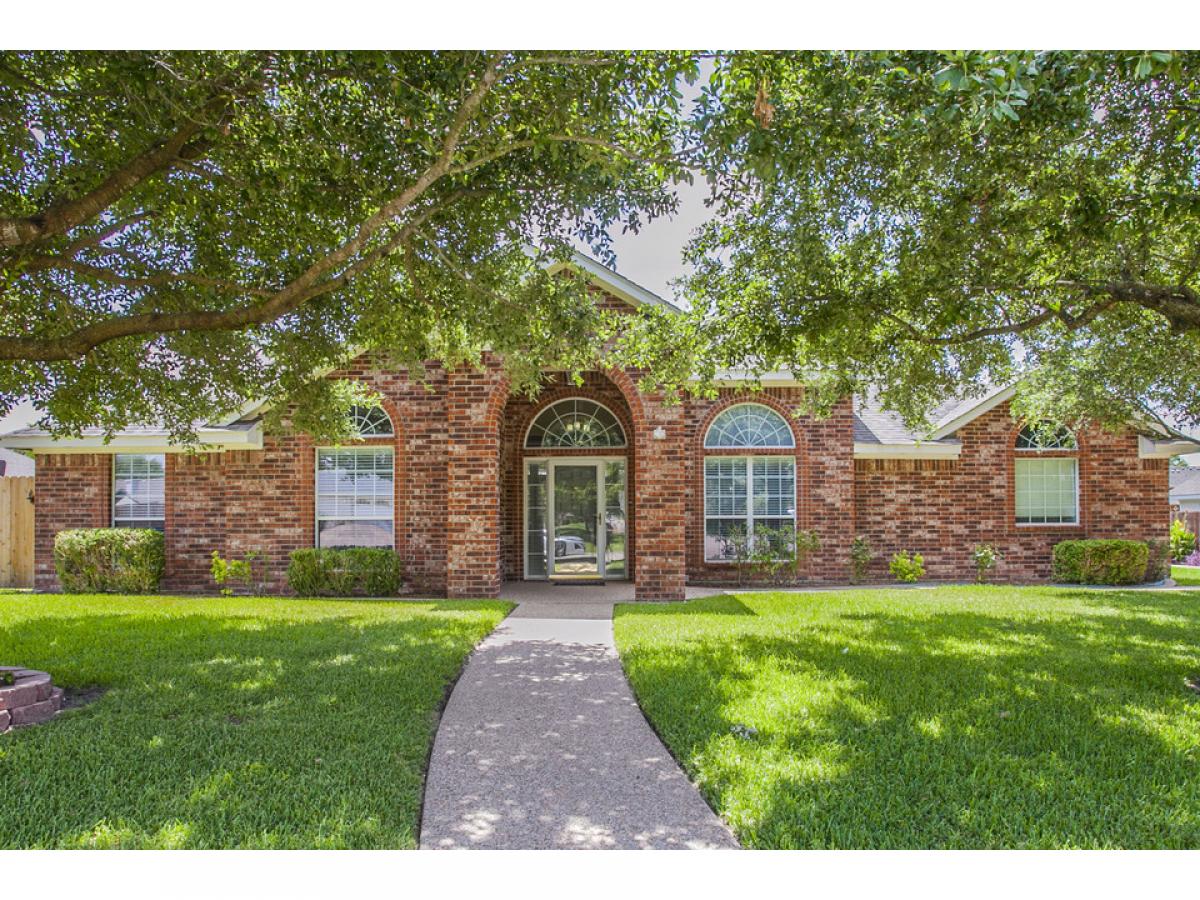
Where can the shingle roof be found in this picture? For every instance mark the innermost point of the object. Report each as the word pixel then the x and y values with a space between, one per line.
pixel 1185 481
pixel 875 425
pixel 15 464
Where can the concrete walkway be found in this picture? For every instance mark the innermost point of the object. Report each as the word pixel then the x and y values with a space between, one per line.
pixel 542 745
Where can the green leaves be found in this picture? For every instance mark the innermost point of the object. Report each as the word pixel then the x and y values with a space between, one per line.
pixel 925 223
pixel 359 191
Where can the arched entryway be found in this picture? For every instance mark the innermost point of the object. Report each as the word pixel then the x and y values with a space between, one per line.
pixel 567 479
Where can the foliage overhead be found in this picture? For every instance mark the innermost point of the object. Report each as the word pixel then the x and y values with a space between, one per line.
pixel 928 223
pixel 181 232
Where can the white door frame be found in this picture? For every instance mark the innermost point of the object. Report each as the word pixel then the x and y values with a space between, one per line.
pixel 599 462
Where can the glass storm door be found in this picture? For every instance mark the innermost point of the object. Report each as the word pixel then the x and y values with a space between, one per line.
pixel 577 546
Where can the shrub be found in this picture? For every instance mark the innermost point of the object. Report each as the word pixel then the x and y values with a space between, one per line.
pixel 773 555
pixel 109 560
pixel 1100 561
pixel 985 556
pixel 907 568
pixel 250 571
pixel 1183 542
pixel 860 558
pixel 1158 563
pixel 369 571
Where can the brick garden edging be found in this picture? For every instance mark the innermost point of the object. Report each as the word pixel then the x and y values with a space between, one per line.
pixel 31 699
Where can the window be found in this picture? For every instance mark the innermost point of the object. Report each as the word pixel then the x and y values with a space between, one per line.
pixel 371 421
pixel 749 425
pixel 575 423
pixel 139 482
pixel 1047 486
pixel 355 497
pixel 745 494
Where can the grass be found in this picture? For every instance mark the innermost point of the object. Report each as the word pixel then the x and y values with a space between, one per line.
pixel 956 717
pixel 229 722
pixel 1186 575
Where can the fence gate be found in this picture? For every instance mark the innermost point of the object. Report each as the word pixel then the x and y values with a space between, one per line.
pixel 16 532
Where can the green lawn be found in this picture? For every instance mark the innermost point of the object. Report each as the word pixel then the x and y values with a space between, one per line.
pixel 1186 575
pixel 229 722
pixel 955 717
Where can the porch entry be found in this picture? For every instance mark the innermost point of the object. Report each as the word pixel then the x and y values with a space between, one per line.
pixel 575 519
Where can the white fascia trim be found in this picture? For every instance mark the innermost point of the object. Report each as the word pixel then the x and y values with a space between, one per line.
pixel 210 440
pixel 617 285
pixel 986 404
pixel 907 450
pixel 1152 449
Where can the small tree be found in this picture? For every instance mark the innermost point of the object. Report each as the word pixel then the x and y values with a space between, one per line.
pixel 860 558
pixel 1183 542
pixel 985 556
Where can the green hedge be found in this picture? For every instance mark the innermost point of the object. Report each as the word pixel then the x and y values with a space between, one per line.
pixel 109 560
pixel 370 572
pixel 1100 562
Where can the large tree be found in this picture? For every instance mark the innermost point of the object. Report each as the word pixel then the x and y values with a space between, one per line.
pixel 926 223
pixel 182 231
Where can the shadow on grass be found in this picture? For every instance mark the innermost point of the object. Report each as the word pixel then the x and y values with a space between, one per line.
pixel 232 730
pixel 941 728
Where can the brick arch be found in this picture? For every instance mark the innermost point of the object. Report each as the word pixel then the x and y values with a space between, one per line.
pixel 519 413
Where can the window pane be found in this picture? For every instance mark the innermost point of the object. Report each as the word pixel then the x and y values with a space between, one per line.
pixel 535 519
pixel 725 491
pixel 354 533
pixel 1046 491
pixel 749 425
pixel 721 537
pixel 774 487
pixel 355 497
pixel 139 490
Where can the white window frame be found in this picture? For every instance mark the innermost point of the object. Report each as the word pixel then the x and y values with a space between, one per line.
pixel 749 460
pixel 544 450
pixel 791 434
pixel 1030 455
pixel 317 517
pixel 112 491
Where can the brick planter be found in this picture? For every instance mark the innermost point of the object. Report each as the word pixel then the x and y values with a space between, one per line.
pixel 31 699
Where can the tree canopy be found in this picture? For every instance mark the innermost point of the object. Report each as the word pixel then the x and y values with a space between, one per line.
pixel 180 232
pixel 928 223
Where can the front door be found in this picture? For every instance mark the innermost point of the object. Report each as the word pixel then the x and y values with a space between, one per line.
pixel 578 506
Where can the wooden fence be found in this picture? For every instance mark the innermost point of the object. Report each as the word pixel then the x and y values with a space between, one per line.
pixel 16 532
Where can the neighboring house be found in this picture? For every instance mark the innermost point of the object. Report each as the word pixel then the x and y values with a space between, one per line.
pixel 1185 488
pixel 472 485
pixel 14 464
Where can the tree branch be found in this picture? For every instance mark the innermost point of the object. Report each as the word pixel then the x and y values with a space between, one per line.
pixel 62 217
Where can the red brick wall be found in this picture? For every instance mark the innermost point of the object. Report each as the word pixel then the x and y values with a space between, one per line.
pixel 70 490
pixel 943 508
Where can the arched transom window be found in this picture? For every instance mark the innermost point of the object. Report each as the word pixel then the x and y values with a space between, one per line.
pixel 749 496
pixel 1045 436
pixel 1046 471
pixel 575 422
pixel 371 421
pixel 750 426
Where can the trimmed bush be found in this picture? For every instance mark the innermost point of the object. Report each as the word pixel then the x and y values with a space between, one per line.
pixel 1100 561
pixel 109 560
pixel 907 568
pixel 364 571
pixel 1158 560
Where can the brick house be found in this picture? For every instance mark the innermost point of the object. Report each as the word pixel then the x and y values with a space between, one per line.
pixel 473 485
